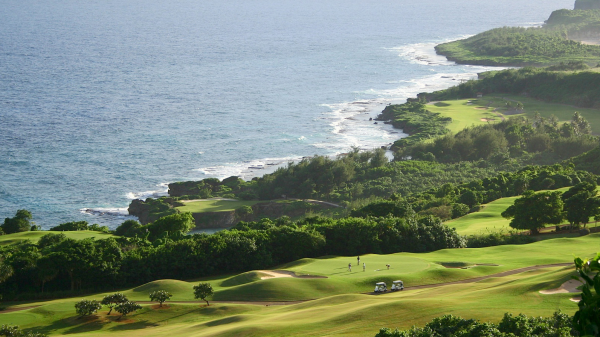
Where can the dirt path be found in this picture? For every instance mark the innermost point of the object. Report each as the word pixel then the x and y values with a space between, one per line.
pixel 283 272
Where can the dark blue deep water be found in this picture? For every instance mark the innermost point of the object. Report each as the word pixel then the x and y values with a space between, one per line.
pixel 102 101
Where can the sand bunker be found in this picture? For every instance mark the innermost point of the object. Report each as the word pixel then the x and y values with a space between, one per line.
pixel 284 273
pixel 568 287
pixel 486 119
pixel 464 265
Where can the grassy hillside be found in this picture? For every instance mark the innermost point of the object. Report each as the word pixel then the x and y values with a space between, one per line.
pixel 341 308
pixel 36 235
pixel 487 220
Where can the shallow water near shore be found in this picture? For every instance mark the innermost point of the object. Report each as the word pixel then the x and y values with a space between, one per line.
pixel 103 102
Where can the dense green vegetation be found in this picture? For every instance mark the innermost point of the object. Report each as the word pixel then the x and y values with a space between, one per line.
pixel 559 325
pixel 57 263
pixel 448 200
pixel 589 161
pixel 518 47
pixel 553 43
pixel 576 88
pixel 541 141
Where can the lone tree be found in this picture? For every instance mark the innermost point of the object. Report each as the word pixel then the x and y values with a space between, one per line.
pixel 113 300
pixel 581 203
pixel 202 291
pixel 160 296
pixel 87 307
pixel 534 210
pixel 127 308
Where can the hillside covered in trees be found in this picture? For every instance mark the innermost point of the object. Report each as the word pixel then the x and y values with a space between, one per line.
pixel 555 42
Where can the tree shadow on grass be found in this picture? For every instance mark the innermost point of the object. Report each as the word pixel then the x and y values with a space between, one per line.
pixel 76 324
pixel 226 320
pixel 133 325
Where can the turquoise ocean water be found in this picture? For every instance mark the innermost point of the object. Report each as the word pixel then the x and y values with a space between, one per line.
pixel 105 101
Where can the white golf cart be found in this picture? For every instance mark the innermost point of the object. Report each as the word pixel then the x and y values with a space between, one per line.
pixel 380 287
pixel 397 285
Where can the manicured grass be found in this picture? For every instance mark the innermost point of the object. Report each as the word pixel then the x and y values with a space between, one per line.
pixel 214 205
pixel 491 108
pixel 562 111
pixel 36 235
pixel 466 112
pixel 487 220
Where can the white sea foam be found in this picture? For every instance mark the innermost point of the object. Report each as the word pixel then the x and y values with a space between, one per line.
pixel 247 169
pixel 160 192
pixel 108 211
pixel 107 216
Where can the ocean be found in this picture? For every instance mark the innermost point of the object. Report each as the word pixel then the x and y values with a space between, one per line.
pixel 105 101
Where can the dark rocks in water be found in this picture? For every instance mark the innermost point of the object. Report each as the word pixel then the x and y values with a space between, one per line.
pixel 371 118
pixel 375 123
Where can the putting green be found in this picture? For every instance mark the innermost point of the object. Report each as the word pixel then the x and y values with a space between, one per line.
pixel 213 205
pixel 467 112
pixel 492 109
pixel 338 266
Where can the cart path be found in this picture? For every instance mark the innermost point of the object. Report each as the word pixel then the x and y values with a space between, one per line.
pixel 274 303
pixel 477 279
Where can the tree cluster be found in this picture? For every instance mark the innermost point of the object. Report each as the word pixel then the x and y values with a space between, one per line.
pixel 534 211
pixel 542 140
pixel 576 88
pixel 450 201
pixel 58 263
pixel 559 325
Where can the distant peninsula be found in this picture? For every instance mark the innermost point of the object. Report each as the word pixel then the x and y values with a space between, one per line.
pixel 567 36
